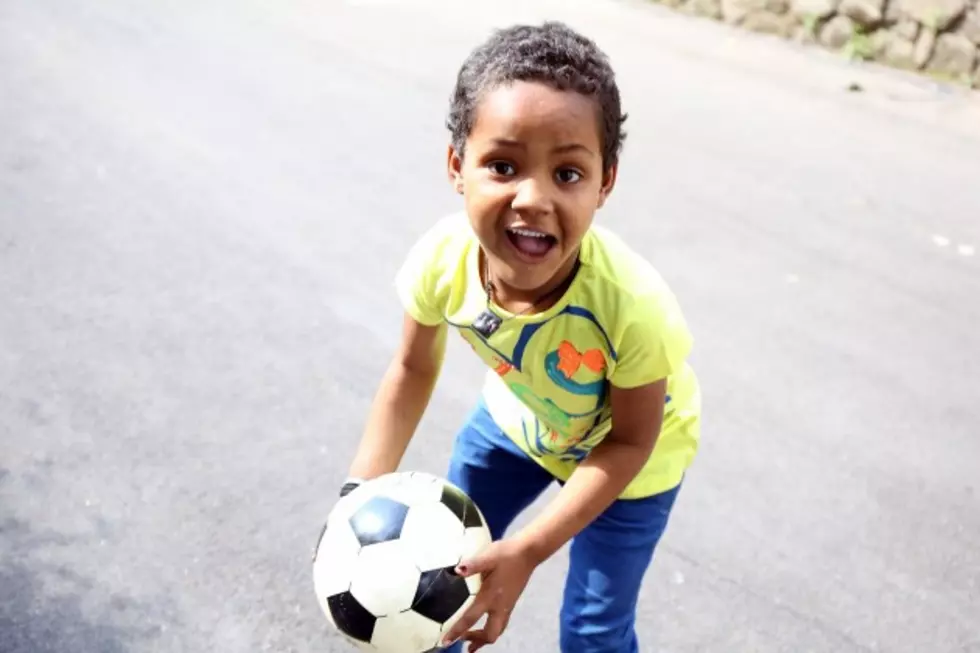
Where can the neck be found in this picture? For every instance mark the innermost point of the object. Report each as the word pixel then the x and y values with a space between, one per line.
pixel 541 298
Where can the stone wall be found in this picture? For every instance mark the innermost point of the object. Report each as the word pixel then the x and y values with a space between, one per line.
pixel 939 37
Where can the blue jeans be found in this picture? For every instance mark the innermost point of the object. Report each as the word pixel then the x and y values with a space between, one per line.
pixel 607 560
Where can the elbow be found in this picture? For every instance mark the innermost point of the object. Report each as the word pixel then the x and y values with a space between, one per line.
pixel 413 370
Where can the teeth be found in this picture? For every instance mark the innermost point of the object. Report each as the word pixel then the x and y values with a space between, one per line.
pixel 529 233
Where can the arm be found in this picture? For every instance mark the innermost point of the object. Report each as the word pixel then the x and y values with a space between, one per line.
pixel 637 415
pixel 401 399
pixel 592 487
pixel 652 345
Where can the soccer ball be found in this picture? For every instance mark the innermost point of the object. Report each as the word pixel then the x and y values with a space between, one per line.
pixel 383 566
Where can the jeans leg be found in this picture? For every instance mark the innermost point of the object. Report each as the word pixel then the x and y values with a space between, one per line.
pixel 607 563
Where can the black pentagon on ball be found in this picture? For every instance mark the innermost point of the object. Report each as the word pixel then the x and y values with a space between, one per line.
pixel 352 618
pixel 441 592
pixel 380 519
pixel 461 505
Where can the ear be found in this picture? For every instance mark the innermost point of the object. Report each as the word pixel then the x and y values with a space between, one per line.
pixel 454 166
pixel 608 182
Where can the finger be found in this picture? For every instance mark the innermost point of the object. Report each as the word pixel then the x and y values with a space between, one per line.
pixel 476 640
pixel 476 643
pixel 482 563
pixel 466 621
pixel 496 624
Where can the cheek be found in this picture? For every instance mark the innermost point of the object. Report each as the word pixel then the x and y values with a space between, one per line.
pixel 481 191
pixel 577 216
pixel 575 232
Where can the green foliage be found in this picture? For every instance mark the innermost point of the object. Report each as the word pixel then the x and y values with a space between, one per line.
pixel 861 46
pixel 811 25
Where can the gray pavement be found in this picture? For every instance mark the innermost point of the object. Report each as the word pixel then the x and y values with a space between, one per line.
pixel 201 208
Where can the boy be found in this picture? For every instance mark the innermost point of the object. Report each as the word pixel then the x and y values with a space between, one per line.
pixel 586 344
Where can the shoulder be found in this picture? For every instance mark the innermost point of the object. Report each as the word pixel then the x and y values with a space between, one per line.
pixel 646 321
pixel 617 265
pixel 433 264
pixel 444 241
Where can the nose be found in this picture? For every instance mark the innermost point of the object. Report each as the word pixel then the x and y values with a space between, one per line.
pixel 532 196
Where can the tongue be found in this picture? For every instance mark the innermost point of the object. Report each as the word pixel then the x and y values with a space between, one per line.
pixel 531 245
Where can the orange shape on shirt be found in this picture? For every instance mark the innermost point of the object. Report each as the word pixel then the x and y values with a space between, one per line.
pixel 571 359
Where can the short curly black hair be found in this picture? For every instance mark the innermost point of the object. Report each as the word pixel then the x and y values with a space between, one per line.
pixel 553 54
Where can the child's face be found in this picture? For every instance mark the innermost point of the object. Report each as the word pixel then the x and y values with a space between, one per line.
pixel 532 178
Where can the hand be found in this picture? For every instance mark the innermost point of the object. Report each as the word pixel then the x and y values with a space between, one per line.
pixel 506 567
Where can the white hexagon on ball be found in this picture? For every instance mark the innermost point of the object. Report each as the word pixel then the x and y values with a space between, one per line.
pixel 406 632
pixel 413 488
pixel 336 555
pixel 433 536
pixel 385 578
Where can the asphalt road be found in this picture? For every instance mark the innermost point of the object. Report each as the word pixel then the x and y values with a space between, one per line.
pixel 202 205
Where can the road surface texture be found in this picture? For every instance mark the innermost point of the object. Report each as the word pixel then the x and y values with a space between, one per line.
pixel 202 205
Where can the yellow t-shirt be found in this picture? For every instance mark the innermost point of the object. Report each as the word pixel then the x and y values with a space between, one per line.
pixel 547 386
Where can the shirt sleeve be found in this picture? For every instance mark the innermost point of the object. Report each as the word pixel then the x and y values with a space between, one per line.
pixel 415 281
pixel 655 342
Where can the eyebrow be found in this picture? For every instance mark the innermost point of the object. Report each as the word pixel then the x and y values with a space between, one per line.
pixel 570 147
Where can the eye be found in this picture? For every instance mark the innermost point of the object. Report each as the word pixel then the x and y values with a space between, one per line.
pixel 501 168
pixel 568 175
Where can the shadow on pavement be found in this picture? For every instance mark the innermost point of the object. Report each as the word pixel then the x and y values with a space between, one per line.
pixel 45 607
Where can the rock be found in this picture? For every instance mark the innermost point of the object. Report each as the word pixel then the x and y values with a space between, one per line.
pixel 815 8
pixel 937 14
pixel 954 55
pixel 907 29
pixel 866 13
pixel 804 34
pixel 897 51
pixel 893 12
pixel 707 8
pixel 767 23
pixel 837 32
pixel 971 26
pixel 924 46
pixel 734 11
pixel 879 41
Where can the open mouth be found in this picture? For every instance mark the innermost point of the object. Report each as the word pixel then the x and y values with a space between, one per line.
pixel 531 243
